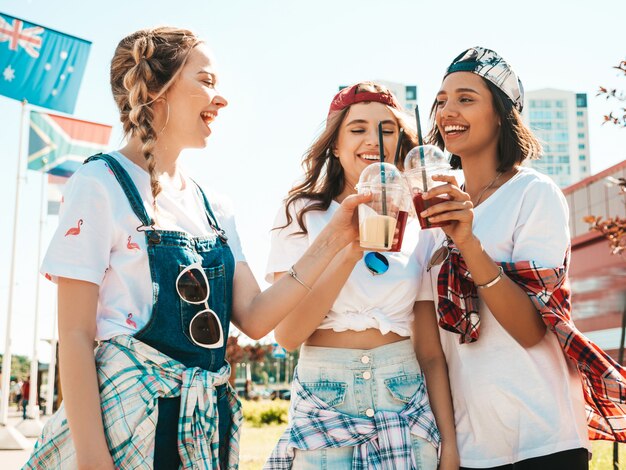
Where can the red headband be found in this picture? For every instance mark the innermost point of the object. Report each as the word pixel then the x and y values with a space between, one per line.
pixel 349 96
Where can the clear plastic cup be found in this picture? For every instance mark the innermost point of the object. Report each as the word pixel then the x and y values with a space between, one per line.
pixel 382 220
pixel 420 165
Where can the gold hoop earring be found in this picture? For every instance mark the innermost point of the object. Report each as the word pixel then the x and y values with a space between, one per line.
pixel 167 117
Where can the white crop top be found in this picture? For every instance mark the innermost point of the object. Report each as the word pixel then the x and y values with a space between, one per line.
pixel 384 302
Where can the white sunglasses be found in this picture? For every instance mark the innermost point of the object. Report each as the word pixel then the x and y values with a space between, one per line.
pixel 205 328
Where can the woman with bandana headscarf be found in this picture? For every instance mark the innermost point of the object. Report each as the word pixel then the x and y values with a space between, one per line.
pixel 498 278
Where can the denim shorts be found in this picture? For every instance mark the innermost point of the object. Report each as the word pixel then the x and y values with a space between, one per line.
pixel 358 382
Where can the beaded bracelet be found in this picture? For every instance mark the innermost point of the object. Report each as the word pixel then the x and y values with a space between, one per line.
pixel 292 273
pixel 494 281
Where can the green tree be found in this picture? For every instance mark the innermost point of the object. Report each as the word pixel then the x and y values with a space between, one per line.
pixel 20 366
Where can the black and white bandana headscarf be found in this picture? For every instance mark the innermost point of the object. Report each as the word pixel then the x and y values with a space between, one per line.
pixel 489 65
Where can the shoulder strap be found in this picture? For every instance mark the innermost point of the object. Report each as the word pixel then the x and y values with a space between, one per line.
pixel 209 213
pixel 128 186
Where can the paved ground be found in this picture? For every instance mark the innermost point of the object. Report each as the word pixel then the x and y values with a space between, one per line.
pixel 14 459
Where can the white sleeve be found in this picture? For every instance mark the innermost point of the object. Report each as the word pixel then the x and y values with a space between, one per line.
pixel 542 228
pixel 223 210
pixel 81 246
pixel 287 246
pixel 234 242
pixel 423 252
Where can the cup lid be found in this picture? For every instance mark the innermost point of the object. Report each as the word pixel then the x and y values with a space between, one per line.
pixel 425 156
pixel 381 173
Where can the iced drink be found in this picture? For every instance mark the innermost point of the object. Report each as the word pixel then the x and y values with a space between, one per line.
pixel 377 231
pixel 399 232
pixel 390 201
pixel 420 165
pixel 422 204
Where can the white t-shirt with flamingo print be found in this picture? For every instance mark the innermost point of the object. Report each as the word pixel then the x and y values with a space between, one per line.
pixel 97 239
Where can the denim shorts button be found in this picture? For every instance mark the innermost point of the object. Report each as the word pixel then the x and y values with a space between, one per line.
pixel 369 412
pixel 367 375
pixel 365 359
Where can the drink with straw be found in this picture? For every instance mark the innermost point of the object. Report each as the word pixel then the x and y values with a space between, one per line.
pixel 378 218
pixel 420 165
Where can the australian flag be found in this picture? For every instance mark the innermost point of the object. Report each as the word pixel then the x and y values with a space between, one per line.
pixel 40 65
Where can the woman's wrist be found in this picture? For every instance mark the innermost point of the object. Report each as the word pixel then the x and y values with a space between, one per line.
pixel 468 246
pixel 330 243
pixel 352 253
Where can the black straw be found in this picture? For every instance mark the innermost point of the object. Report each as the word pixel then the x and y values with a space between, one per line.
pixel 396 157
pixel 420 142
pixel 382 167
pixel 382 177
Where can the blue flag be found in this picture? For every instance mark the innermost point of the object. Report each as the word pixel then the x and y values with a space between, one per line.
pixel 40 65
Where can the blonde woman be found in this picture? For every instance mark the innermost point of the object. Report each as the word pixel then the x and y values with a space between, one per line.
pixel 151 269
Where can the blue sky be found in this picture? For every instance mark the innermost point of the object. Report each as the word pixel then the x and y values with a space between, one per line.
pixel 280 63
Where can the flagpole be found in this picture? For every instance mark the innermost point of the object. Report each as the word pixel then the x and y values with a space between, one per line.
pixel 9 437
pixel 31 426
pixel 52 366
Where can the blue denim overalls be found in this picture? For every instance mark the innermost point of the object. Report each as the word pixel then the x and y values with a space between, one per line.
pixel 168 328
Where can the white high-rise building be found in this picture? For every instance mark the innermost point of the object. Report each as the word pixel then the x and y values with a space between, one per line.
pixel 559 119
pixel 406 94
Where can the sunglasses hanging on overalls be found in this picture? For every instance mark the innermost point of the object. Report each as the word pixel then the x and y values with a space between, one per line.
pixel 205 328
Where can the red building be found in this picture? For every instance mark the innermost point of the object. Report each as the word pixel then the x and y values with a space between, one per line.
pixel 598 277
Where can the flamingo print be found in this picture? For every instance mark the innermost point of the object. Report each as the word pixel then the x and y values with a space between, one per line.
pixel 75 230
pixel 130 321
pixel 132 245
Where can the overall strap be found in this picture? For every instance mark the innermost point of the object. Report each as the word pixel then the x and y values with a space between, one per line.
pixel 209 213
pixel 129 188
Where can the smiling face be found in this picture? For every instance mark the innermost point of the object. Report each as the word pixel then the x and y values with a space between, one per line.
pixel 193 103
pixel 466 116
pixel 357 140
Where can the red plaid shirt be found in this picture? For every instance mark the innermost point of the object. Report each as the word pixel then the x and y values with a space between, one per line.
pixel 603 379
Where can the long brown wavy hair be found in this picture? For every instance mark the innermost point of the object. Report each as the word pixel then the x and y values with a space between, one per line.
pixel 324 177
pixel 144 66
pixel 516 141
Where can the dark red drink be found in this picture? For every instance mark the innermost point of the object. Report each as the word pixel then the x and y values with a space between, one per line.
pixel 399 234
pixel 421 205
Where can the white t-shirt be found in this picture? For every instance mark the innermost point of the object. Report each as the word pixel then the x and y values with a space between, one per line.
pixel 97 239
pixel 384 302
pixel 512 403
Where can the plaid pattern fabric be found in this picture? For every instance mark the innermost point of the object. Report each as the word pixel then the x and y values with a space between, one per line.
pixel 132 376
pixel 603 379
pixel 382 442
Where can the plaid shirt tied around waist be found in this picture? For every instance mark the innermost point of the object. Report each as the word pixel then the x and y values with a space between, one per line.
pixel 132 376
pixel 603 379
pixel 382 442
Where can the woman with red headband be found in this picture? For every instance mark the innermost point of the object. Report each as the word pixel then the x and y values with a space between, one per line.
pixel 524 396
pixel 359 396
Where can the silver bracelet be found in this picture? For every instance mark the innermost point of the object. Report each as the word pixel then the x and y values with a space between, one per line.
pixel 494 281
pixel 292 273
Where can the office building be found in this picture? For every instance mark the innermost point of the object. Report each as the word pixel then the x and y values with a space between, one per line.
pixel 559 119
